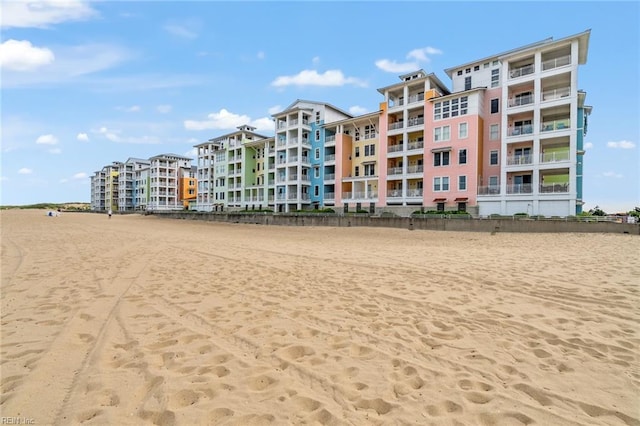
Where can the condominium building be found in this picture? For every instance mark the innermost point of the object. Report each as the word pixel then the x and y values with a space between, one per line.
pixel 98 188
pixel 127 183
pixel 165 173
pixel 535 122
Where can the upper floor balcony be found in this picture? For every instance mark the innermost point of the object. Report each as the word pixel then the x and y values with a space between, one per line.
pixel 397 125
pixel 521 100
pixel 553 125
pixel 330 139
pixel 395 148
pixel 415 121
pixel 520 71
pixel 413 145
pixel 518 130
pixel 554 94
pixel 519 160
pixel 556 62
pixel 554 156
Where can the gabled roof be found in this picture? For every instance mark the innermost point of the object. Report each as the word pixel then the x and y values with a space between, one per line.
pixel 431 76
pixel 294 107
pixel 169 155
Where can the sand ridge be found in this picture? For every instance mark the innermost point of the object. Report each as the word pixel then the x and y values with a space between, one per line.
pixel 143 320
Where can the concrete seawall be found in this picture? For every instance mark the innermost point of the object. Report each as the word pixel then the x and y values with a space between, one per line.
pixel 433 224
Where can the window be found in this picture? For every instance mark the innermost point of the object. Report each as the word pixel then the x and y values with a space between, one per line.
pixel 357 171
pixel 357 151
pixel 369 131
pixel 440 184
pixel 467 83
pixel 494 158
pixel 495 77
pixel 493 181
pixel 316 172
pixel 318 117
pixel 369 169
pixel 494 132
pixel 460 72
pixel 476 68
pixel 317 153
pixel 441 134
pixel 494 106
pixel 316 190
pixel 317 135
pixel 462 183
pixel 462 156
pixel 369 150
pixel 441 158
pixel 451 108
pixel 462 130
pixel 467 71
pixel 495 62
pixel 486 65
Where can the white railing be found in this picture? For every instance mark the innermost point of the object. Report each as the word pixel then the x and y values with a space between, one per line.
pixel 329 196
pixel 330 138
pixel 416 121
pixel 550 126
pixel 293 177
pixel 489 190
pixel 520 130
pixel 293 122
pixel 521 71
pixel 397 125
pixel 330 176
pixel 552 157
pixel 293 141
pixel 415 145
pixel 330 157
pixel 554 188
pixel 415 169
pixel 394 171
pixel 416 98
pixel 395 148
pixel 550 95
pixel 293 158
pixel 520 100
pixel 556 62
pixel 517 160
pixel 394 193
pixel 520 188
pixel 414 192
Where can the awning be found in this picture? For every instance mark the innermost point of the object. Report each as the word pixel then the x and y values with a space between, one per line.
pixel 462 199
pixel 439 200
pixel 443 149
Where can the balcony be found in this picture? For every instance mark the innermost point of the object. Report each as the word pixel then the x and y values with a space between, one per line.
pixel 553 125
pixel 517 101
pixel 553 94
pixel 330 138
pixel 489 190
pixel 416 98
pixel 415 145
pixel 415 169
pixel 413 193
pixel 394 193
pixel 521 188
pixel 329 196
pixel 330 157
pixel 521 71
pixel 525 129
pixel 395 148
pixel 397 125
pixel 330 176
pixel 554 188
pixel 415 121
pixel 519 160
pixel 554 157
pixel 560 61
pixel 394 171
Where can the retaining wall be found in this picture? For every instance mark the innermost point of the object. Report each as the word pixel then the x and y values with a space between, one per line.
pixel 434 224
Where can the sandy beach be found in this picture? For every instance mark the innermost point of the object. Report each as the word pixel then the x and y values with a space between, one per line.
pixel 140 320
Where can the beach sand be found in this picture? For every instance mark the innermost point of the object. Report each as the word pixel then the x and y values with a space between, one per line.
pixel 140 320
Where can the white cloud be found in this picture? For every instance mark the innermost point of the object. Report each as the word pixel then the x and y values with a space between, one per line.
pixel 117 137
pixel 25 171
pixel 312 78
pixel 227 120
pixel 415 56
pixel 357 110
pixel 621 144
pixel 588 145
pixel 83 137
pixel 393 66
pixel 421 54
pixel 192 153
pixel 163 109
pixel 41 14
pixel 71 62
pixel 79 176
pixel 179 30
pixel 21 55
pixel 47 140
pixel 133 108
pixel 315 60
pixel 275 109
pixel 612 175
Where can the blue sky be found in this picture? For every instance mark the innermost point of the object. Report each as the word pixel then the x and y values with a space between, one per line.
pixel 88 83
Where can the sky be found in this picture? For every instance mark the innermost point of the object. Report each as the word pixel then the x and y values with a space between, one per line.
pixel 84 84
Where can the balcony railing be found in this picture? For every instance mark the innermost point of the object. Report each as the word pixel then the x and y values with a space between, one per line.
pixel 415 169
pixel 520 100
pixel 329 196
pixel 330 176
pixel 330 138
pixel 521 188
pixel 396 125
pixel 556 62
pixel 395 148
pixel 416 98
pixel 521 71
pixel 519 160
pixel 554 188
pixel 330 157
pixel 550 95
pixel 416 121
pixel 415 145
pixel 293 122
pixel 359 195
pixel 414 192
pixel 489 190
pixel 394 193
pixel 550 126
pixel 293 177
pixel 553 157
pixel 521 130
pixel 394 171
